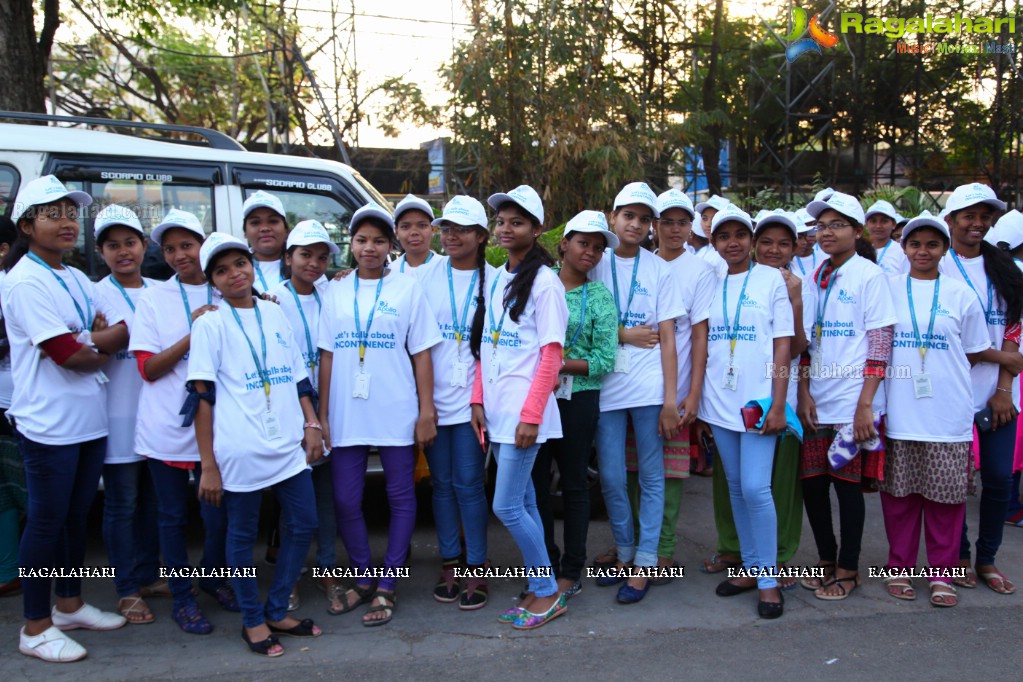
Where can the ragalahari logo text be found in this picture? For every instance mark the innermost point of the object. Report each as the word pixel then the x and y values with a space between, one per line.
pixel 819 36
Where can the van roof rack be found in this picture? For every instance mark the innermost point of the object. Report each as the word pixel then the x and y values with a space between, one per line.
pixel 214 139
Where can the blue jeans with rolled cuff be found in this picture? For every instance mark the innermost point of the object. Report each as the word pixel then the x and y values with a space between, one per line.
pixel 459 501
pixel 997 448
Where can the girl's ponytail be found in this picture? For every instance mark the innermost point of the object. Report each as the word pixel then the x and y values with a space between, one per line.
pixel 1006 279
pixel 476 335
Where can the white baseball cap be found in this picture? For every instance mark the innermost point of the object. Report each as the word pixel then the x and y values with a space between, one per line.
pixel 217 242
pixel 261 199
pixel 824 194
pixel 925 219
pixel 370 210
pixel 412 203
pixel 637 193
pixel 523 196
pixel 592 222
pixel 730 213
pixel 881 207
pixel 178 218
pixel 974 193
pixel 463 210
pixel 116 216
pixel 902 220
pixel 674 198
pixel 778 216
pixel 761 214
pixel 720 203
pixel 1008 230
pixel 943 215
pixel 311 232
pixel 803 220
pixel 845 204
pixel 46 190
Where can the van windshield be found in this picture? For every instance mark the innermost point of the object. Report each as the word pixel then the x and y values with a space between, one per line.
pixel 333 214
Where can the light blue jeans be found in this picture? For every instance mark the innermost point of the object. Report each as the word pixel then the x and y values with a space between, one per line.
pixel 515 505
pixel 748 459
pixel 459 500
pixel 650 459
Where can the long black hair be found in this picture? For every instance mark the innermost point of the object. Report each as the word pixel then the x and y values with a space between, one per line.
pixel 20 245
pixel 8 235
pixel 1006 279
pixel 476 334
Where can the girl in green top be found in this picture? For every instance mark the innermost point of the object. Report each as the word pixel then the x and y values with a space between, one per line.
pixel 590 348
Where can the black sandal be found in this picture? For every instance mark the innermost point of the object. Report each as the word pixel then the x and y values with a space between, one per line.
pixel 365 594
pixel 262 648
pixel 386 596
pixel 305 628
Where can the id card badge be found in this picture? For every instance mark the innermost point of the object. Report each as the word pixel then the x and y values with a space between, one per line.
pixel 101 378
pixel 564 391
pixel 730 381
pixel 495 368
pixel 271 426
pixel 361 388
pixel 623 361
pixel 922 385
pixel 815 363
pixel 459 373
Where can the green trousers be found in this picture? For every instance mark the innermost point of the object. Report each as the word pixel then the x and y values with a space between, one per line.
pixel 669 523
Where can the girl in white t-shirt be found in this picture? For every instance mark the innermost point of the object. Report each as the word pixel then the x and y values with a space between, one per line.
pixel 750 329
pixel 301 298
pixel 256 429
pixel 413 228
pixel 880 223
pixel 642 388
pixel 266 228
pixel 372 322
pixel 848 318
pixel 161 339
pixel 513 392
pixel 130 528
pixel 61 335
pixel 927 468
pixel 12 474
pixel 454 289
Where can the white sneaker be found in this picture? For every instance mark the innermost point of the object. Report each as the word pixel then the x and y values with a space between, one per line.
pixel 88 618
pixel 51 645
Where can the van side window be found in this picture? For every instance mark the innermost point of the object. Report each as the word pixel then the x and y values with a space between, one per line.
pixel 333 214
pixel 10 181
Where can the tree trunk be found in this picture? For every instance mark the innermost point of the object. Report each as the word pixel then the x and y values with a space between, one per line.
pixel 25 59
pixel 711 147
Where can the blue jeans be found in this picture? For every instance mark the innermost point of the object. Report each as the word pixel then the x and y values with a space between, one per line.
pixel 173 493
pixel 61 481
pixel 326 533
pixel 515 505
pixel 459 501
pixel 650 461
pixel 298 524
pixel 996 452
pixel 748 459
pixel 130 528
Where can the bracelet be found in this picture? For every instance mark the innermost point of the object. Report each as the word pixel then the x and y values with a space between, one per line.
pixel 313 425
pixel 1003 390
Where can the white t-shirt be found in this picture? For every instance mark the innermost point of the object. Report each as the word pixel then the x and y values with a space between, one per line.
pixel 401 266
pixel 161 320
pixel 543 321
pixel 711 257
pixel 892 259
pixel 860 300
pixel 52 405
pixel 766 315
pixel 125 380
pixel 959 328
pixel 6 382
pixel 247 457
pixel 805 266
pixel 268 275
pixel 449 396
pixel 696 281
pixel 305 325
pixel 657 298
pixel 983 375
pixel 403 325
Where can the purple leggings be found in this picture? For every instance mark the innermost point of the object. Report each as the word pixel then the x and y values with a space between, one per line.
pixel 348 467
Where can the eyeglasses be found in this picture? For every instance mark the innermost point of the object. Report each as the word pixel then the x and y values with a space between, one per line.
pixel 832 227
pixel 664 222
pixel 457 229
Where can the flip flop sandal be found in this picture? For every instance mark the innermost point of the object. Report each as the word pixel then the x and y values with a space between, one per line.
pixel 607 559
pixel 131 606
pixel 993 578
pixel 940 592
pixel 364 594
pixel 968 581
pixel 904 587
pixel 815 583
pixel 715 564
pixel 380 608
pixel 854 579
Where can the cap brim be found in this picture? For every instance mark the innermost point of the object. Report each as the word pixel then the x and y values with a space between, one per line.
pixel 698 231
pixel 261 204
pixel 687 209
pixel 465 221
pixel 868 214
pixel 776 221
pixel 747 222
pixel 157 233
pixel 920 223
pixel 221 248
pixel 494 201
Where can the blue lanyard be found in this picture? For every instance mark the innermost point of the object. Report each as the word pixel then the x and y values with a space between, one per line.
pixel 821 309
pixel 184 297
pixel 401 268
pixel 624 316
pixel 921 346
pixel 261 369
pixel 582 321
pixel 733 332
pixel 125 293
pixel 85 317
pixel 495 331
pixel 459 326
pixel 262 279
pixel 313 356
pixel 884 251
pixel 369 321
pixel 990 286
pixel 799 262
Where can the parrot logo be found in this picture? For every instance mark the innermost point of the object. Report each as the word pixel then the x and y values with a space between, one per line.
pixel 819 36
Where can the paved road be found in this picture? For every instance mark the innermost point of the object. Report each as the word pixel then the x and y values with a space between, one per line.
pixel 680 631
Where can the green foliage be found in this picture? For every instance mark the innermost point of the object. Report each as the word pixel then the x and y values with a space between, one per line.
pixel 497 256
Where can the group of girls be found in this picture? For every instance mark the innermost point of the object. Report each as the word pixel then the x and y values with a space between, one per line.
pixel 291 380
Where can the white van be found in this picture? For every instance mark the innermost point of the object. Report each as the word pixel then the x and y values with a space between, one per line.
pixel 211 178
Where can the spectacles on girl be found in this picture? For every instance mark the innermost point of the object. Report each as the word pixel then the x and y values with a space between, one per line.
pixel 832 227
pixel 457 229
